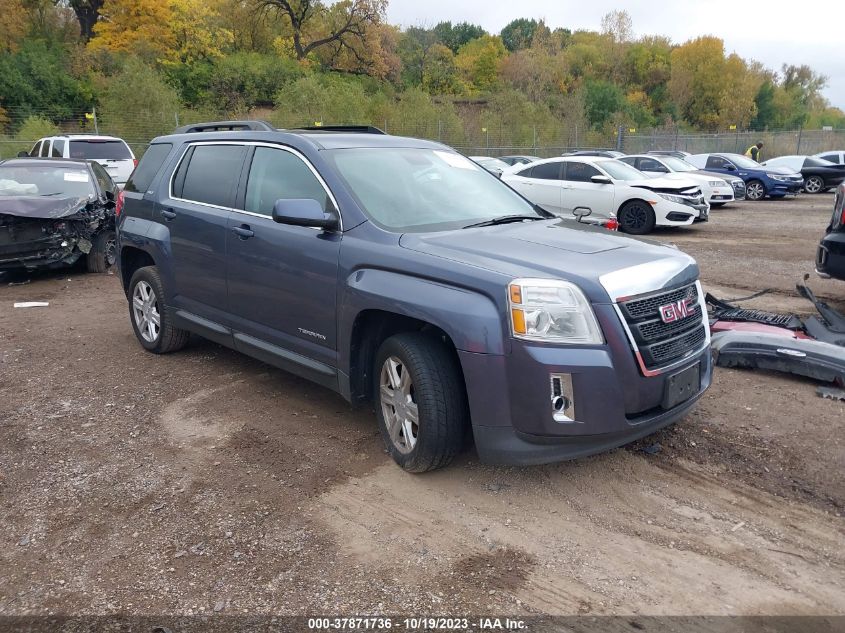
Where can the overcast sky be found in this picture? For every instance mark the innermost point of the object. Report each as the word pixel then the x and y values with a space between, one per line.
pixel 774 32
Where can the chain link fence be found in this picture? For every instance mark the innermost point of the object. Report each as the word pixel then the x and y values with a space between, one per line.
pixel 471 136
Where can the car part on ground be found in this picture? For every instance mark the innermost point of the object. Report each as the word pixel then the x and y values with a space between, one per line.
pixel 611 189
pixel 830 255
pixel 415 281
pixel 831 393
pixel 819 175
pixel 54 212
pixel 760 182
pixel 811 347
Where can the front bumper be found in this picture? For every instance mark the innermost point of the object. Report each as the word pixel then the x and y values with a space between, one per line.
pixel 614 404
pixel 779 189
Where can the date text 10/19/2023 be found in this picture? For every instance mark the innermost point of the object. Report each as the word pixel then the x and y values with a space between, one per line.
pixel 415 624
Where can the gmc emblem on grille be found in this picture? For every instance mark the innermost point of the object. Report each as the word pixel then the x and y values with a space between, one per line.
pixel 676 311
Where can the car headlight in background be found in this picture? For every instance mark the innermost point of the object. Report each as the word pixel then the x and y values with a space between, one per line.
pixel 552 310
pixel 777 177
pixel 717 183
pixel 672 198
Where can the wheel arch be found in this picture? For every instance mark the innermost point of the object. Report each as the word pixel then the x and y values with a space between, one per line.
pixel 130 260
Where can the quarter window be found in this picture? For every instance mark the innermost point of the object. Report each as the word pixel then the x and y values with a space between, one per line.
pixel 277 174
pixel 833 158
pixel 211 174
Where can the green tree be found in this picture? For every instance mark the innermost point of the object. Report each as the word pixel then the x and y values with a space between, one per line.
pixel 602 100
pixel 455 36
pixel 478 61
pixel 697 80
pixel 519 34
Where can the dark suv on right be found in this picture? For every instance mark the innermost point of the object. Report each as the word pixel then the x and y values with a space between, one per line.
pixel 397 272
pixel 830 257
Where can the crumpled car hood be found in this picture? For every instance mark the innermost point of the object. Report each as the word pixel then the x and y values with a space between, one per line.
pixel 41 207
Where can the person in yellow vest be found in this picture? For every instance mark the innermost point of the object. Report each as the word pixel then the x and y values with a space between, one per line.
pixel 753 152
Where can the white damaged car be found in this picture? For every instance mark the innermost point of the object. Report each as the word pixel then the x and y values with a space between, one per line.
pixel 611 189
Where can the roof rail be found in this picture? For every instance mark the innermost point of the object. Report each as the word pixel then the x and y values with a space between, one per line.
pixel 225 126
pixel 355 129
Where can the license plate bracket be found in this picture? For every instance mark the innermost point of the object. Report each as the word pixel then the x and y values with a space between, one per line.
pixel 682 386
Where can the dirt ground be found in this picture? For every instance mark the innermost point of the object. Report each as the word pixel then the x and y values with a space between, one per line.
pixel 207 482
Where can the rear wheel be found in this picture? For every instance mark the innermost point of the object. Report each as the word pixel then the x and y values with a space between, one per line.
pixel 814 184
pixel 420 401
pixel 755 190
pixel 636 217
pixel 103 253
pixel 151 318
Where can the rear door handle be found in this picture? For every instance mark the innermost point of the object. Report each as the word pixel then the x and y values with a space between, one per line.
pixel 243 231
pixel 168 214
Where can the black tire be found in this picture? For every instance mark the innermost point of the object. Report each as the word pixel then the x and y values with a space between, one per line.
pixel 167 338
pixel 755 190
pixel 103 253
pixel 438 393
pixel 636 217
pixel 814 184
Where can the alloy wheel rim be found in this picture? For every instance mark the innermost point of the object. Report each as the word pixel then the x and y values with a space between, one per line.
pixel 754 191
pixel 398 407
pixel 111 252
pixel 145 311
pixel 814 185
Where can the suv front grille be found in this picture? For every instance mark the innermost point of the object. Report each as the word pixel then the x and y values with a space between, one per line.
pixel 658 343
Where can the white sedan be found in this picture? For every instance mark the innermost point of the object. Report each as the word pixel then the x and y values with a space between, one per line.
pixel 717 191
pixel 611 189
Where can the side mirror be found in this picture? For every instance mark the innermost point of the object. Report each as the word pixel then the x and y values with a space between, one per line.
pixel 600 179
pixel 730 167
pixel 582 212
pixel 23 154
pixel 304 212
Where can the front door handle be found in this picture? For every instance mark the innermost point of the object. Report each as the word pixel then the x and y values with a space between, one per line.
pixel 168 214
pixel 243 231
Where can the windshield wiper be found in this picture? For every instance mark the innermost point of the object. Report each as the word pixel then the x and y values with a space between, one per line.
pixel 504 219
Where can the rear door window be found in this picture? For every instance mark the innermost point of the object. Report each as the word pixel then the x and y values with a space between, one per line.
pixel 45 149
pixel 58 148
pixel 149 166
pixel 209 174
pixel 100 150
pixel 545 171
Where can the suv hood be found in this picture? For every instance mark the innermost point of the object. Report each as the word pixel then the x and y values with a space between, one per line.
pixel 41 207
pixel 552 249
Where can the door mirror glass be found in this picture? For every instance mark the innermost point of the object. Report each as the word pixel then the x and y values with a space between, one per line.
pixel 303 212
pixel 600 179
pixel 582 212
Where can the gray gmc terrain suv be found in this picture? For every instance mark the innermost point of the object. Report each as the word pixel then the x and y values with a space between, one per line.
pixel 396 271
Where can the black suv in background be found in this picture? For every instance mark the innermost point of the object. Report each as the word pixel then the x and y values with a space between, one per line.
pixel 830 257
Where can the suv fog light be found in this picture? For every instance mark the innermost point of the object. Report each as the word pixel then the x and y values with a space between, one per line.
pixel 562 398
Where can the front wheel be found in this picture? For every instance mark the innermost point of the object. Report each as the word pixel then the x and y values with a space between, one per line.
pixel 420 401
pixel 637 218
pixel 814 184
pixel 755 190
pixel 151 319
pixel 103 253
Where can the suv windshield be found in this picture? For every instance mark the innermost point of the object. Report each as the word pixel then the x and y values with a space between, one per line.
pixel 47 181
pixel 404 189
pixel 620 171
pixel 100 150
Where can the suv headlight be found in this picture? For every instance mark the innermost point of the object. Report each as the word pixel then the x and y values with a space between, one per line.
pixel 553 311
pixel 672 198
